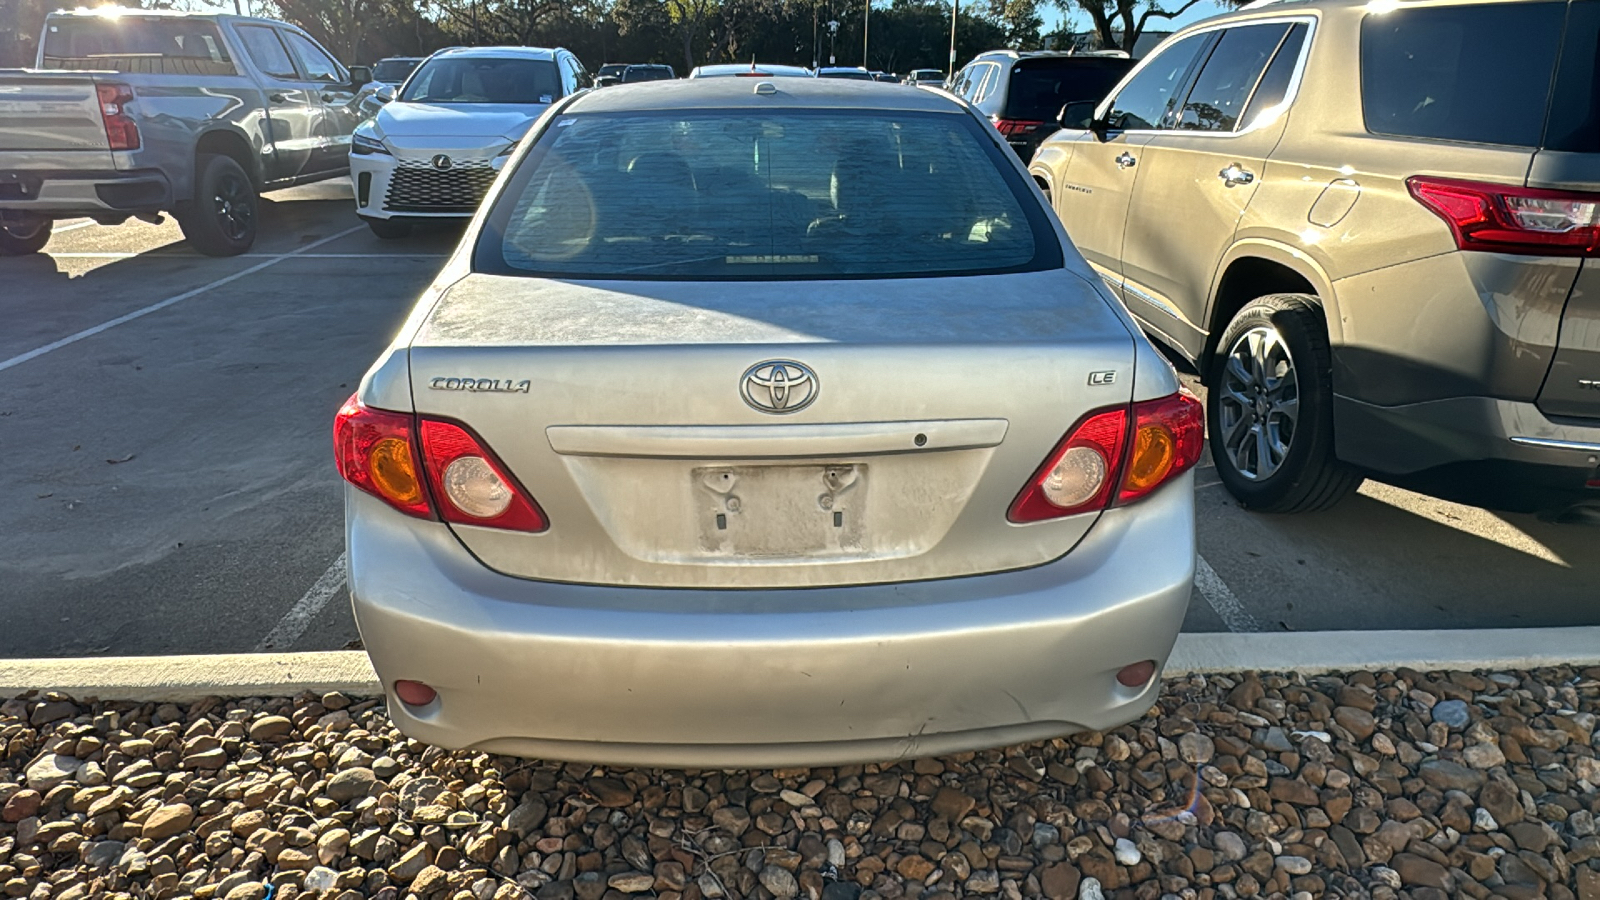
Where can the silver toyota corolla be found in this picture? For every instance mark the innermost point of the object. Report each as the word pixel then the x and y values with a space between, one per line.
pixel 761 423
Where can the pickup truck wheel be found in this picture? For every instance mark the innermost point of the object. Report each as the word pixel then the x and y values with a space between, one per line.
pixel 221 220
pixel 1270 408
pixel 389 229
pixel 20 238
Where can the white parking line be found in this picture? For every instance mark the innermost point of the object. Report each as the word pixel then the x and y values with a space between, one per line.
pixel 73 227
pixel 112 254
pixel 1222 600
pixel 177 298
pixel 298 618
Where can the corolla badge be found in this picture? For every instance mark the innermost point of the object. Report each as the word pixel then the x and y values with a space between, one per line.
pixel 779 386
pixel 481 385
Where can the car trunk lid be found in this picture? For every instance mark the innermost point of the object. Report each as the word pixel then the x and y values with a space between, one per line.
pixel 765 434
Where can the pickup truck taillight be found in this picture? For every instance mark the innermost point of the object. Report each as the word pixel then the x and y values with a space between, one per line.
pixel 121 132
pixel 1504 218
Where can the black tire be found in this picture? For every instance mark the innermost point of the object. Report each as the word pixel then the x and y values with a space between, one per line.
pixel 389 229
pixel 1278 338
pixel 222 218
pixel 24 237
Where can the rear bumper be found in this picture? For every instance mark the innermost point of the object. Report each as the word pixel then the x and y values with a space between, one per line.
pixel 1498 453
pixel 57 194
pixel 707 678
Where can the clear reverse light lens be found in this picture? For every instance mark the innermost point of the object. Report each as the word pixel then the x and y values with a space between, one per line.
pixel 474 488
pixel 1076 478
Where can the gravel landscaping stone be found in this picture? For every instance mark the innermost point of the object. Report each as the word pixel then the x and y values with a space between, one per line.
pixel 1370 784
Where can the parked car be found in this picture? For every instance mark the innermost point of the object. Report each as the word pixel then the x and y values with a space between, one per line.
pixel 852 73
pixel 751 71
pixel 611 70
pixel 890 77
pixel 1382 263
pixel 394 70
pixel 136 113
pixel 1023 93
pixel 926 78
pixel 753 490
pixel 433 152
pixel 387 76
pixel 635 74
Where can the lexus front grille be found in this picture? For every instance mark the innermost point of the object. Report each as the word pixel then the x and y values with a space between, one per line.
pixel 425 189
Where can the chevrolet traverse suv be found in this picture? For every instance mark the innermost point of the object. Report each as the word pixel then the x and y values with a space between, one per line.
pixel 1382 262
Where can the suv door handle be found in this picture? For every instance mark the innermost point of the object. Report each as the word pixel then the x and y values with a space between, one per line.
pixel 327 97
pixel 278 98
pixel 1236 175
pixel 1125 160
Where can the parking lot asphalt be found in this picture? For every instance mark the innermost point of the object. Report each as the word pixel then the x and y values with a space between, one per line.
pixel 168 486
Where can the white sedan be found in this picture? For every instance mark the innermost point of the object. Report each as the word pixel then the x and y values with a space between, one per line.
pixel 434 151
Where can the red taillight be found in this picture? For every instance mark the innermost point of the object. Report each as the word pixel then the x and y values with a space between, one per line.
pixel 1079 474
pixel 121 132
pixel 1009 127
pixel 473 487
pixel 1114 457
pixel 376 452
pixel 1502 218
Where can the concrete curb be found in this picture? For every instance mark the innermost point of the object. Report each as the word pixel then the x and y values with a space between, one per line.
pixel 180 679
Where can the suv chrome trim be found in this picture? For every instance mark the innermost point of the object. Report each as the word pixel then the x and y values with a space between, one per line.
pixel 1553 444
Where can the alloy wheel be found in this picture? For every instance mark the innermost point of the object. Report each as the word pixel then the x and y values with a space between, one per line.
pixel 1259 402
pixel 232 205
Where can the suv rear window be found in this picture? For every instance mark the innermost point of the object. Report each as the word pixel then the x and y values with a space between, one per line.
pixel 1479 74
pixel 145 44
pixel 739 195
pixel 1040 87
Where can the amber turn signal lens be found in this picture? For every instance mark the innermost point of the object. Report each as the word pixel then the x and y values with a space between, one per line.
pixel 1153 453
pixel 393 471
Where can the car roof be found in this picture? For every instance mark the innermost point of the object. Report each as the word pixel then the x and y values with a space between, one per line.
pixel 499 52
pixel 736 68
pixel 841 69
pixel 648 66
pixel 741 93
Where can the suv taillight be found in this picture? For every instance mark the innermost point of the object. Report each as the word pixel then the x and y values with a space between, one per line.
pixel 1113 457
pixel 1010 127
pixel 1500 218
pixel 377 451
pixel 121 132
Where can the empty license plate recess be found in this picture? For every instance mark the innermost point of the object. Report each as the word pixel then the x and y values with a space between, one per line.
pixel 781 512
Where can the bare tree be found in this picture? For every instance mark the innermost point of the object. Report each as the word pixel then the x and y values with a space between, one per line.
pixel 1124 18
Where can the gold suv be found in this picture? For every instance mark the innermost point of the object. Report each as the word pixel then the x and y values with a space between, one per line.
pixel 1376 243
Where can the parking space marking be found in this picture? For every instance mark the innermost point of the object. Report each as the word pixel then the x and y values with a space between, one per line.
pixel 112 254
pixel 1216 591
pixel 177 298
pixel 73 227
pixel 298 618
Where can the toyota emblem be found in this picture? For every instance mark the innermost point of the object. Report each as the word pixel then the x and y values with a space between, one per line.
pixel 442 162
pixel 779 386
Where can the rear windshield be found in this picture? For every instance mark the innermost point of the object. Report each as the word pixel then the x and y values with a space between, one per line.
pixel 1479 73
pixel 145 44
pixel 710 195
pixel 465 79
pixel 393 71
pixel 1039 87
pixel 646 73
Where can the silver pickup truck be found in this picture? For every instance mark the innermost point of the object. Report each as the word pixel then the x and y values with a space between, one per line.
pixel 134 114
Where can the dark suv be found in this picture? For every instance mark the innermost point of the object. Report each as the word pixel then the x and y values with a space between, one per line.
pixel 1023 93
pixel 650 72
